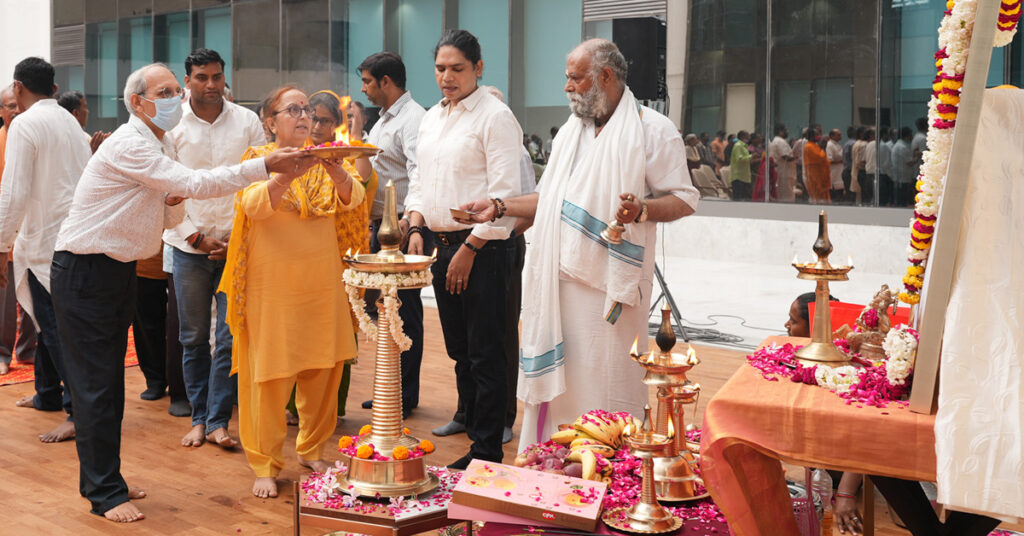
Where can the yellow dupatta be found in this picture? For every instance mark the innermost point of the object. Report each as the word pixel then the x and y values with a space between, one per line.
pixel 310 195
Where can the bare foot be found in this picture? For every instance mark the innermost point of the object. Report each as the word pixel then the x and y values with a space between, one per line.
pixel 4 368
pixel 125 512
pixel 63 432
pixel 290 418
pixel 222 439
pixel 194 437
pixel 265 487
pixel 136 493
pixel 318 466
pixel 26 402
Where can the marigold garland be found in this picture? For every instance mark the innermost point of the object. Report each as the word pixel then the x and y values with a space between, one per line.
pixel 950 62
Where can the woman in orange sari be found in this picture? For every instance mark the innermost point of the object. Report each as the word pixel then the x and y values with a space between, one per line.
pixel 816 170
pixel 287 310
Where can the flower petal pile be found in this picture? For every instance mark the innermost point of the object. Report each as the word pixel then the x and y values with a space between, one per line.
pixel 870 385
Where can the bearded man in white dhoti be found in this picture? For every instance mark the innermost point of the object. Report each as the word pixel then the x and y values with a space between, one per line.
pixel 585 300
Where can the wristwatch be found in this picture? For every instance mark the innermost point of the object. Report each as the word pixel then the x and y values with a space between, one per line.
pixel 643 213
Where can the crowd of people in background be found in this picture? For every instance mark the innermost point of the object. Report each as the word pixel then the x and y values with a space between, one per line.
pixel 815 167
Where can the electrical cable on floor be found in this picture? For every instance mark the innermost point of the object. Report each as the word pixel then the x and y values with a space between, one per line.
pixel 698 332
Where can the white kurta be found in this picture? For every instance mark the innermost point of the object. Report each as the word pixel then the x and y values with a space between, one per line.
pixel 598 371
pixel 46 153
pixel 979 428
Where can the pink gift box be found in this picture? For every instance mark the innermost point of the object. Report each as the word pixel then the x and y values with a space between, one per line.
pixel 458 511
pixel 532 496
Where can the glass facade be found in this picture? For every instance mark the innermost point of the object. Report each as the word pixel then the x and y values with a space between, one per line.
pixel 867 65
pixel 317 44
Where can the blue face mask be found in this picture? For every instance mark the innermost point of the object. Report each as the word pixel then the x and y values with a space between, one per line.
pixel 168 112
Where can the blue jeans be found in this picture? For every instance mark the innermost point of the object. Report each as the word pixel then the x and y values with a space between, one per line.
pixel 210 387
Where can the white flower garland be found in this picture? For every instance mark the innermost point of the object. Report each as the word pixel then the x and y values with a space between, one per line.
pixel 901 347
pixel 838 379
pixel 389 284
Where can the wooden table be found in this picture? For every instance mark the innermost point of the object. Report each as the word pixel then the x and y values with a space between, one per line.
pixel 752 423
pixel 373 524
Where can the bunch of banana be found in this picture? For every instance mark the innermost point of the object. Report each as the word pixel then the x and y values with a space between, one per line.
pixel 598 425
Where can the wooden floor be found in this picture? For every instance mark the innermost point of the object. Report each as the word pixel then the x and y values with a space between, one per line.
pixel 207 490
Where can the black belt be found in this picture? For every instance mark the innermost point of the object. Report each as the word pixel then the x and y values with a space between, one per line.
pixel 452 238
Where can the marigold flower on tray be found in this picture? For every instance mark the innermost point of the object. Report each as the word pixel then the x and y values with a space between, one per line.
pixel 364 452
pixel 344 442
pixel 365 429
pixel 427 446
pixel 400 453
pixel 406 431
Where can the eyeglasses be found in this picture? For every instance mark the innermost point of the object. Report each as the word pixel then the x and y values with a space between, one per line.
pixel 296 111
pixel 167 93
pixel 323 120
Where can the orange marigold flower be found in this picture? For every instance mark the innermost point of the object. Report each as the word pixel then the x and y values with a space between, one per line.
pixel 400 453
pixel 406 431
pixel 365 429
pixel 364 452
pixel 427 446
pixel 345 442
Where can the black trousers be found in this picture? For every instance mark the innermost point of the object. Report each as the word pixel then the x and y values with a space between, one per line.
pixel 741 191
pixel 909 501
pixel 474 329
pixel 50 369
pixel 867 187
pixel 17 332
pixel 411 313
pixel 174 372
pixel 514 306
pixel 886 191
pixel 94 298
pixel 150 323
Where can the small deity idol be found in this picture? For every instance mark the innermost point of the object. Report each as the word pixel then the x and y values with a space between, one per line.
pixel 872 326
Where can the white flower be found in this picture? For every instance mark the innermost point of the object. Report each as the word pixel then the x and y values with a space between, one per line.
pixel 838 379
pixel 388 285
pixel 900 347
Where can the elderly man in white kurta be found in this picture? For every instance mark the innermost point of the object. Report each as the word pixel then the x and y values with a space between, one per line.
pixel 585 300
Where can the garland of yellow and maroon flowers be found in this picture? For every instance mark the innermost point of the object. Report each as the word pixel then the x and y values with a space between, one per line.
pixel 950 62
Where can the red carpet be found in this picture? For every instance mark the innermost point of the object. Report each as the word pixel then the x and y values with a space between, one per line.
pixel 25 373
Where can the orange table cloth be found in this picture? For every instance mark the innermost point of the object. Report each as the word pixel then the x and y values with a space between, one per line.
pixel 753 423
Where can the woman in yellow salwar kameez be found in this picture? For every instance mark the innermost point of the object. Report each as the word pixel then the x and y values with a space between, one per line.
pixel 288 312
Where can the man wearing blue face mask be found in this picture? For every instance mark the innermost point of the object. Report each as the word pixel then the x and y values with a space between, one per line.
pixel 129 193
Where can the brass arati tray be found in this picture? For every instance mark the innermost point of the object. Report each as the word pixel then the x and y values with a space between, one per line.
pixel 343 151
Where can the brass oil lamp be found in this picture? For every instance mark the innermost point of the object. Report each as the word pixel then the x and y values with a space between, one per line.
pixel 674 478
pixel 821 350
pixel 388 478
pixel 647 516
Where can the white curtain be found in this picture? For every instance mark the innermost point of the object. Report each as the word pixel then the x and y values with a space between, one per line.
pixel 979 428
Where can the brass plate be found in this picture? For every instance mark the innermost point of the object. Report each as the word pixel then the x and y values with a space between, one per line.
pixel 353 151
pixel 366 489
pixel 367 262
pixel 611 518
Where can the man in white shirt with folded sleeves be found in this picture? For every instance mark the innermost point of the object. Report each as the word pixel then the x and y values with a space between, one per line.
pixel 213 132
pixel 129 192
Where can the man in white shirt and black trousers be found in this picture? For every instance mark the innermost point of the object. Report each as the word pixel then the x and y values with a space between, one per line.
pixel 129 192
pixel 45 154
